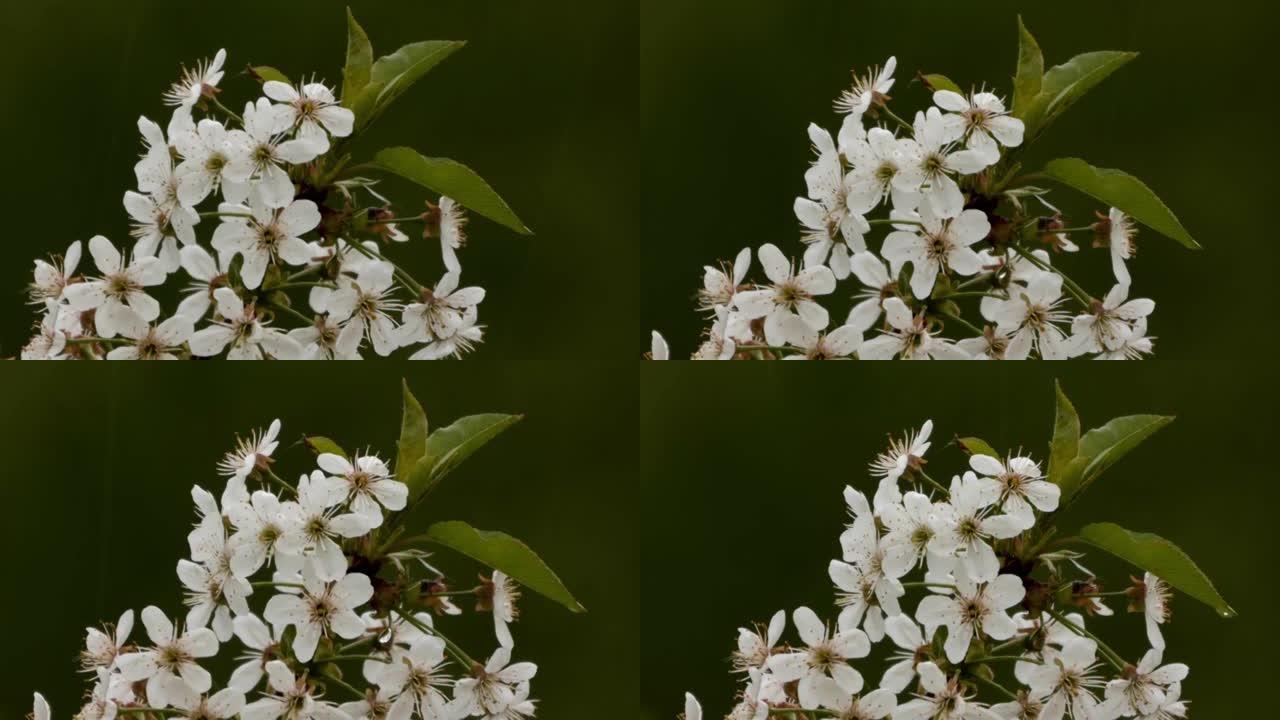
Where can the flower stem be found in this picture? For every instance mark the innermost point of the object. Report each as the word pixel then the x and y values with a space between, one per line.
pixel 290 311
pixel 891 221
pixel 1075 289
pixel 992 684
pixel 291 285
pixel 343 684
pixel 983 278
pixel 279 480
pixel 1111 655
pixel 458 653
pixel 224 214
pixel 961 321
pixel 929 585
pixel 969 294
pixel 97 340
pixel 885 109
pixel 218 104
pixel 931 481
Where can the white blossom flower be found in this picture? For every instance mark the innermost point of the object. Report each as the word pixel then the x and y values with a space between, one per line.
pixel 261 644
pixel 912 648
pixel 981 120
pixel 150 342
pixel 159 227
pixel 196 82
pixel 40 708
pixel 1065 681
pixel 250 451
pixel 1121 234
pixel 122 286
pixel 249 337
pixel 1156 595
pixel 1134 347
pixel 213 593
pixel 291 698
pixel 207 165
pixel 791 294
pixel 171 662
pixel 878 160
pixel 720 285
pixel 506 595
pixel 1032 316
pixel 322 608
pixel 972 611
pixel 867 595
pixel 839 343
pixel 943 700
pixel 1023 489
pixel 1143 689
pixel 313 110
pixel 416 676
pixel 658 348
pixel 368 301
pixel 319 524
pixel 874 705
pixel 912 532
pixel 453 224
pixel 463 340
pixel 52 276
pixel 938 246
pixel 874 276
pixel 264 236
pixel 261 524
pixel 908 337
pixel 1173 706
pixel 692 709
pixel 867 90
pixel 966 525
pixel 440 312
pixel 494 687
pixel 259 151
pixel 822 667
pixel 101 647
pixel 831 228
pixel 222 705
pixel 755 646
pixel 1108 325
pixel 207 275
pixel 368 483
pixel 902 454
pixel 931 160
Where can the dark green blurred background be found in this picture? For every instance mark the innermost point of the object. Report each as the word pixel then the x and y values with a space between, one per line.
pixel 742 509
pixel 727 89
pixel 99 470
pixel 541 103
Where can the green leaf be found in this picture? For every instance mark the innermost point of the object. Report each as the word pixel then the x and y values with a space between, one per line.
pixel 320 445
pixel 412 444
pixel 359 67
pixel 1159 557
pixel 1122 191
pixel 265 74
pixel 1027 81
pixel 941 82
pixel 1066 437
pixel 451 178
pixel 1103 447
pixel 503 552
pixel 393 74
pixel 1064 84
pixel 449 446
pixel 977 446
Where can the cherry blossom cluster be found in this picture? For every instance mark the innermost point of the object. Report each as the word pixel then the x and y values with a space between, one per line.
pixel 964 268
pixel 997 625
pixel 294 265
pixel 327 618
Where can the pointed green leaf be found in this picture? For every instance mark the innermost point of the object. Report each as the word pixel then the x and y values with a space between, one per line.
pixel 393 74
pixel 451 178
pixel 1123 192
pixel 1064 84
pixel 359 67
pixel 1027 81
pixel 412 444
pixel 265 74
pixel 976 446
pixel 1066 437
pixel 1103 447
pixel 448 447
pixel 321 445
pixel 941 82
pixel 1159 557
pixel 503 552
